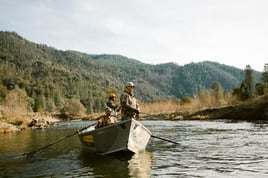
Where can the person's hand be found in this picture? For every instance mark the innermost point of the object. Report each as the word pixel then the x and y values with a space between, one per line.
pixel 137 111
pixel 137 116
pixel 118 109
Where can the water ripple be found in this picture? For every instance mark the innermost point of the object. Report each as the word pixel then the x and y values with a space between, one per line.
pixel 206 149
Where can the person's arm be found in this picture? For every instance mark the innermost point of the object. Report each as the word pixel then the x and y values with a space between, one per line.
pixel 138 107
pixel 133 106
pixel 111 105
pixel 118 109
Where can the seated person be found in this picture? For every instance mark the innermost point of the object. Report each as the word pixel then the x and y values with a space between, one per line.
pixel 111 104
pixel 106 119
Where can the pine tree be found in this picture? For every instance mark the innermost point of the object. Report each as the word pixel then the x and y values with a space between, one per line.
pixel 265 74
pixel 217 92
pixel 249 81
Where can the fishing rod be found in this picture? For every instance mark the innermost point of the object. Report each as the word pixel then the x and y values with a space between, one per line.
pixel 32 153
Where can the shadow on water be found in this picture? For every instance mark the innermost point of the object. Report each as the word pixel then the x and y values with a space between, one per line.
pixel 137 165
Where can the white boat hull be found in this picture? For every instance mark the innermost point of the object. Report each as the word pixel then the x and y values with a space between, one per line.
pixel 128 135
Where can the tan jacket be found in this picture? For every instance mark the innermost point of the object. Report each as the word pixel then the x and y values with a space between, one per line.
pixel 129 106
pixel 105 120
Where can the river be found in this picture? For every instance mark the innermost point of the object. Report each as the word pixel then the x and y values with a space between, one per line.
pixel 220 148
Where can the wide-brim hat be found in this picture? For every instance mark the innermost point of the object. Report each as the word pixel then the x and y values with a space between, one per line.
pixel 112 95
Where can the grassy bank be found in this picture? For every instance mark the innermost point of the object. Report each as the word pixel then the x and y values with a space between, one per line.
pixel 197 108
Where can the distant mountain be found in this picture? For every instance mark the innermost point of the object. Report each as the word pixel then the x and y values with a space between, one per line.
pixel 45 71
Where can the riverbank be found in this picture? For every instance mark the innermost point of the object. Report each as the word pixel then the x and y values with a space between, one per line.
pixel 255 109
pixel 27 121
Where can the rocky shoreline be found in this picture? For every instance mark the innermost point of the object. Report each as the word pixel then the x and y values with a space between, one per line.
pixel 253 110
pixel 33 121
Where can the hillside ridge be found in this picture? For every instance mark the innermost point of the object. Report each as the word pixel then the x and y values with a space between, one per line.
pixel 45 71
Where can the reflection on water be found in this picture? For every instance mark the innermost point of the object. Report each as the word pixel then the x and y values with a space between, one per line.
pixel 15 140
pixel 138 165
pixel 206 149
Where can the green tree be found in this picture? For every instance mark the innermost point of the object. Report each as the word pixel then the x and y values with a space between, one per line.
pixel 244 91
pixel 3 92
pixel 261 88
pixel 265 74
pixel 89 109
pixel 58 98
pixel 216 92
pixel 249 81
pixel 186 100
pixel 74 107
pixel 50 105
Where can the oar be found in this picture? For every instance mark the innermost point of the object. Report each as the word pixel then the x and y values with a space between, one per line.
pixel 164 139
pixel 30 154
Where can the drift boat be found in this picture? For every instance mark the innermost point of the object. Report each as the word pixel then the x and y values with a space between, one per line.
pixel 128 136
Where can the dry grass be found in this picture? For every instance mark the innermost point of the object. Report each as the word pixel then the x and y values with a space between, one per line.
pixel 16 117
pixel 16 108
pixel 159 107
pixel 197 103
pixel 18 114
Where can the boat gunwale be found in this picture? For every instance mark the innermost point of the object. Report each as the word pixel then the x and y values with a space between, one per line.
pixel 113 125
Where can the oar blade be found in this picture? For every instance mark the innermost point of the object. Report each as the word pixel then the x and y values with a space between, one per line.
pixel 164 139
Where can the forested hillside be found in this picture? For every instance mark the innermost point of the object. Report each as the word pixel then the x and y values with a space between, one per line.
pixel 50 77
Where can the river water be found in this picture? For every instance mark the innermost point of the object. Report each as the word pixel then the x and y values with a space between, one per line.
pixel 219 148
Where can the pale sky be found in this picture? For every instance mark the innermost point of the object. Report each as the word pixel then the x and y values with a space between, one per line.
pixel 231 32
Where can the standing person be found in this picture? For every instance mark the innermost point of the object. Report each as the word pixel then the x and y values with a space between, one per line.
pixel 129 105
pixel 111 104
